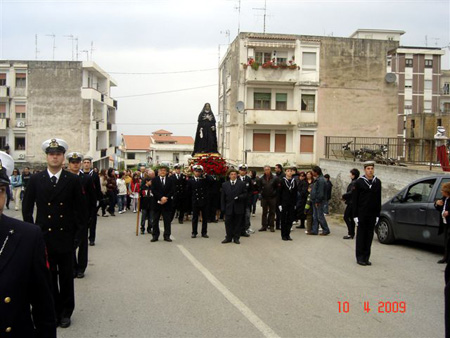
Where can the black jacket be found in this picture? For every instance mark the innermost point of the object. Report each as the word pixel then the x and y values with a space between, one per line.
pixel 366 198
pixel 25 281
pixel 229 203
pixel 287 193
pixel 179 187
pixel 440 208
pixel 147 199
pixel 198 190
pixel 159 191
pixel 248 186
pixel 268 187
pixel 60 212
pixel 90 194
pixel 347 197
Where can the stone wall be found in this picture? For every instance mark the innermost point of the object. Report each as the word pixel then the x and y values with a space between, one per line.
pixel 393 178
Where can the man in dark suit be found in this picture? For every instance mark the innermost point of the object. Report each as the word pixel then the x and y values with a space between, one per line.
pixel 198 188
pixel 179 193
pixel 248 201
pixel 233 198
pixel 60 215
pixel 27 308
pixel 162 189
pixel 88 170
pixel 287 199
pixel 89 203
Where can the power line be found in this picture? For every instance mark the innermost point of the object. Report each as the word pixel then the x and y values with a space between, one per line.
pixel 163 73
pixel 166 92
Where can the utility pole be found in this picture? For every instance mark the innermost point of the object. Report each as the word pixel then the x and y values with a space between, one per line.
pixel 264 15
pixel 70 38
pixel 54 43
pixel 36 51
pixel 92 49
pixel 239 16
pixel 87 54
pixel 224 102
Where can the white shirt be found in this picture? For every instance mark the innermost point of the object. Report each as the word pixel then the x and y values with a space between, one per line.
pixel 233 182
pixel 57 175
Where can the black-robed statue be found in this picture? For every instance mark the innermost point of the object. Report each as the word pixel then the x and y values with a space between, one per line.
pixel 206 137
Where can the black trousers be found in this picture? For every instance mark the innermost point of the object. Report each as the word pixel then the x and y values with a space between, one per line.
pixel 233 225
pixel 80 261
pixel 166 213
pixel 61 269
pixel 268 213
pixel 93 226
pixel 364 237
pixel 287 215
pixel 447 301
pixel 195 212
pixel 278 218
pixel 146 215
pixel 178 205
pixel 348 218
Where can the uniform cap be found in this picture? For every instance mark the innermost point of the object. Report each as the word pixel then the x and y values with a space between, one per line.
pixel 74 156
pixel 197 167
pixel 243 167
pixel 54 145
pixel 177 166
pixel 369 164
pixel 89 158
pixel 6 167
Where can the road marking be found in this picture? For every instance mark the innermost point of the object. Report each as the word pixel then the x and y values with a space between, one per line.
pixel 238 304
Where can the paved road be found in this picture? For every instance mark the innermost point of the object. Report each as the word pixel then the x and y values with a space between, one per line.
pixel 263 287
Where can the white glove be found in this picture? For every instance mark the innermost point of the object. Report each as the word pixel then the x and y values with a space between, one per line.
pixel 236 197
pixel 281 208
pixel 376 220
pixel 356 220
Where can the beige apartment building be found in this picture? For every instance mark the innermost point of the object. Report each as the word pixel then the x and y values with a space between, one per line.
pixel 303 89
pixel 62 99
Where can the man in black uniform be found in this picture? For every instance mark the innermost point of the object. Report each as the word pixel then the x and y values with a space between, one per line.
pixel 366 204
pixel 279 174
pixel 89 202
pixel 88 170
pixel 198 190
pixel 27 308
pixel 179 193
pixel 248 200
pixel 60 215
pixel 287 199
pixel 162 189
pixel 233 197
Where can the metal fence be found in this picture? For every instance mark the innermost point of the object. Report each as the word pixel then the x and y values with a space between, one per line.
pixel 389 151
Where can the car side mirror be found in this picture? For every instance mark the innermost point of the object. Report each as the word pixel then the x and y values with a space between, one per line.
pixel 399 198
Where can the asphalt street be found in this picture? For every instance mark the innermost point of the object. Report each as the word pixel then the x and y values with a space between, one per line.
pixel 262 287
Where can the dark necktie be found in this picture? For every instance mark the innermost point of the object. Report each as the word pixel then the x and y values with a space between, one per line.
pixel 53 179
pixel 163 182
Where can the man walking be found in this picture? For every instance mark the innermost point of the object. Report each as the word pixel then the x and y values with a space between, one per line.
pixel 287 199
pixel 197 188
pixel 279 174
pixel 88 170
pixel 248 201
pixel 366 204
pixel 60 215
pixel 318 198
pixel 268 186
pixel 233 206
pixel 179 194
pixel 162 188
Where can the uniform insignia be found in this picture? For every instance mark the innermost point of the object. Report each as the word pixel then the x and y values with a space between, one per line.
pixel 53 143
pixel 75 155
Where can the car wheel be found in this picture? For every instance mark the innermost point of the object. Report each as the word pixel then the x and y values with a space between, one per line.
pixel 384 231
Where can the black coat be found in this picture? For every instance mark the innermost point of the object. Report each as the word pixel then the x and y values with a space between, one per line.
pixel 179 188
pixel 229 203
pixel 248 186
pixel 89 193
pixel 147 199
pixel 60 212
pixel 198 190
pixel 287 197
pixel 366 200
pixel 347 197
pixel 302 189
pixel 159 191
pixel 440 208
pixel 24 282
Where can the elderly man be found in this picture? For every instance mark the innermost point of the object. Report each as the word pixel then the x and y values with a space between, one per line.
pixel 268 186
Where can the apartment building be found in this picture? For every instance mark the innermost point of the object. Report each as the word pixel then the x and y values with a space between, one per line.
pixel 296 90
pixel 63 99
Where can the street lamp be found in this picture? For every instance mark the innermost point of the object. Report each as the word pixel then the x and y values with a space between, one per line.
pixel 240 106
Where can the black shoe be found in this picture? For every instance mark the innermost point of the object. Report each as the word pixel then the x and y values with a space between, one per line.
pixel 263 229
pixel 278 228
pixel 369 263
pixel 80 274
pixel 180 221
pixel 64 323
pixel 298 227
pixel 167 239
pixel 245 235
pixel 154 239
pixel 142 232
pixel 348 237
pixel 193 236
pixel 441 261
pixel 105 215
pixel 361 263
pixel 149 230
pixel 289 238
pixel 205 236
pixel 284 238
pixel 236 240
pixel 226 240
pixel 91 243
pixel 113 214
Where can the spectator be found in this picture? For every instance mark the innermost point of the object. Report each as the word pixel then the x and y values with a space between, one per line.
pixel 302 194
pixel 122 194
pixel 16 184
pixel 146 205
pixel 268 185
pixel 254 190
pixel 318 197
pixel 308 205
pixel 111 186
pixel 135 189
pixel 329 189
pixel 104 198
pixel 127 178
pixel 347 197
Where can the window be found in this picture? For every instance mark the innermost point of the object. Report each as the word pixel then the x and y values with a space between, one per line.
pixel 408 106
pixel 21 80
pixel 446 107
pixel 20 111
pixel 428 63
pixel 280 143
pixel 413 124
pixel 306 143
pixel 439 192
pixel 3 142
pixel 261 141
pixel 408 62
pixel 131 156
pixel 419 192
pixel 428 85
pixel 308 102
pixel 281 57
pixel 427 106
pixel 446 88
pixel 408 83
pixel 262 100
pixel 2 79
pixel 19 143
pixel 281 103
pixel 2 110
pixel 439 122
pixel 263 57
pixel 389 60
pixel 309 60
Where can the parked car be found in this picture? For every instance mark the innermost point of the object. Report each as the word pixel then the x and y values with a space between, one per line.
pixel 411 215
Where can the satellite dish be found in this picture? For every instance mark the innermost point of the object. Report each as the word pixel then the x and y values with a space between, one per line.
pixel 240 106
pixel 390 78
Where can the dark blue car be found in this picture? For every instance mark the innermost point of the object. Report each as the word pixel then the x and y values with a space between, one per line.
pixel 411 215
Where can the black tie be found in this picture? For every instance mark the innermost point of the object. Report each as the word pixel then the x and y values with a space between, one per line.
pixel 53 179
pixel 163 181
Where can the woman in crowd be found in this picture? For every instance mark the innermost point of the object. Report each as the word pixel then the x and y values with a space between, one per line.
pixel 308 207
pixel 127 178
pixel 111 186
pixel 135 189
pixel 302 194
pixel 16 184
pixel 347 197
pixel 103 201
pixel 254 189
pixel 121 194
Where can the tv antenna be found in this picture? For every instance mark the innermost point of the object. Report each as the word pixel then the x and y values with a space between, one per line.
pixel 238 7
pixel 72 38
pixel 227 34
pixel 87 54
pixel 92 49
pixel 264 15
pixel 54 43
pixel 36 50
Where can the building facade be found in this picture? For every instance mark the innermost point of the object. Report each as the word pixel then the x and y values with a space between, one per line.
pixel 159 148
pixel 62 99
pixel 298 89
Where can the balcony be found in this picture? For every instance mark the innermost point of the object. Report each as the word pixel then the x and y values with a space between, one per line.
pixel 4 124
pixel 272 117
pixel 271 75
pixel 260 159
pixel 4 94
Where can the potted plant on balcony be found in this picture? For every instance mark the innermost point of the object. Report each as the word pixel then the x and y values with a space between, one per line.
pixel 274 64
pixel 283 65
pixel 267 64
pixel 292 65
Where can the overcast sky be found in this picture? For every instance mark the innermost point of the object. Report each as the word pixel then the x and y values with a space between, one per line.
pixel 175 36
